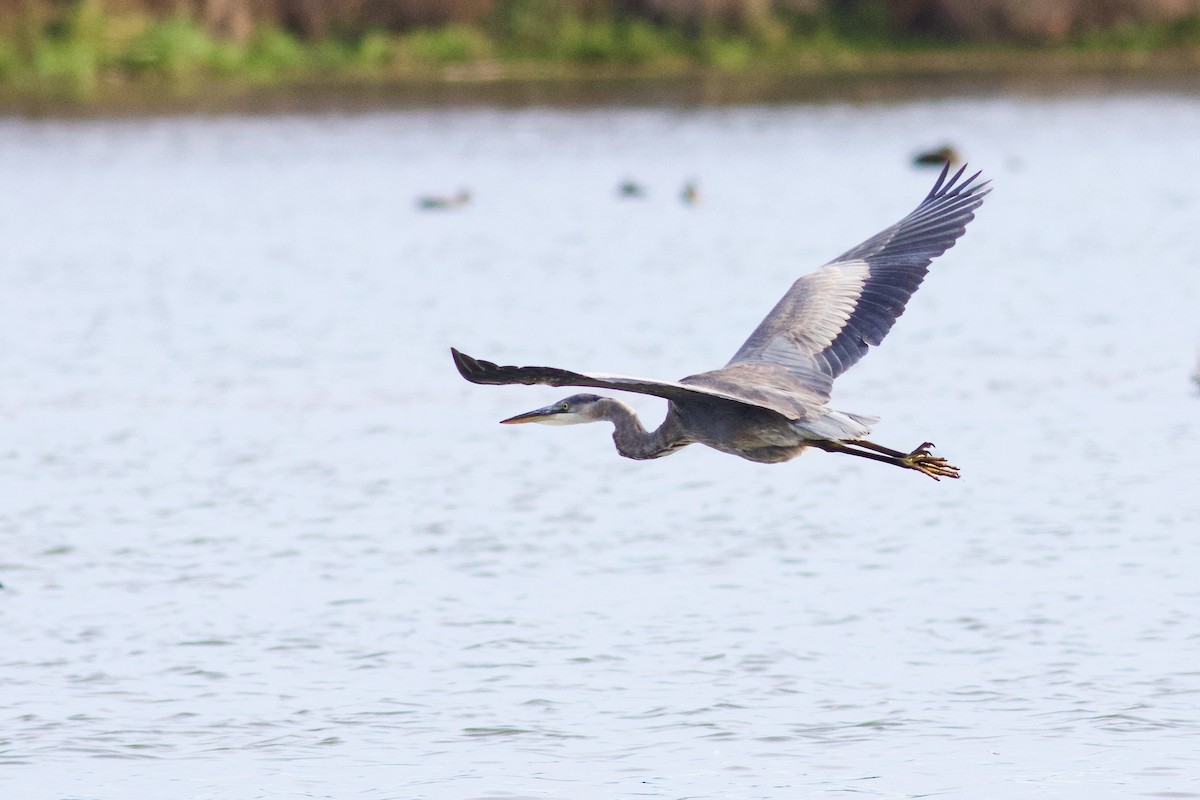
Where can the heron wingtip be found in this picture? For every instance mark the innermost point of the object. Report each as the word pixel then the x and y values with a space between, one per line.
pixel 465 364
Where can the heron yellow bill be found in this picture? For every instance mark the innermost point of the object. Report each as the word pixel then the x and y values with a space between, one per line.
pixel 539 415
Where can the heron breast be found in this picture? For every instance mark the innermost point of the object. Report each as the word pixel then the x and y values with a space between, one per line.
pixel 756 434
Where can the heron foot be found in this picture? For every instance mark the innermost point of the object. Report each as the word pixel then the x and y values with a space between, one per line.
pixel 926 463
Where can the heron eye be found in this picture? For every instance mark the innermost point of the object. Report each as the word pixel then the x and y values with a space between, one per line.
pixel 564 407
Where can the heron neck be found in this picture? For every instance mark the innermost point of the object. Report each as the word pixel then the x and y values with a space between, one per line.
pixel 633 440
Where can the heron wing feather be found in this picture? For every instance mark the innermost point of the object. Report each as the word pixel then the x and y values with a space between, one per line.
pixel 830 317
pixel 757 393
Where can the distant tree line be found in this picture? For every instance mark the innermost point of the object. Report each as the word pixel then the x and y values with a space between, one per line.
pixel 1020 21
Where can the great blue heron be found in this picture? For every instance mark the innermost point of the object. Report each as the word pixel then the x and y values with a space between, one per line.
pixel 768 404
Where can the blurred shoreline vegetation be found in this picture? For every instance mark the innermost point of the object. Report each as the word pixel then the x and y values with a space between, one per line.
pixel 88 52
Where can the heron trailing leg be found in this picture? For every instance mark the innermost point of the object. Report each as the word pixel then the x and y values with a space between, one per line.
pixel 920 459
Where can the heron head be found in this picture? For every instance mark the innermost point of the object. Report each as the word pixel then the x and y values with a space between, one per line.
pixel 573 410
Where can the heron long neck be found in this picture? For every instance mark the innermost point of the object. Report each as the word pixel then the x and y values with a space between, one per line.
pixel 633 440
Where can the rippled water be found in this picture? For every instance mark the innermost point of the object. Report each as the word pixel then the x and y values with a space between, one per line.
pixel 260 540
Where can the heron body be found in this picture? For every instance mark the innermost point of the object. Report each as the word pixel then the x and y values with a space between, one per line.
pixel 770 402
pixel 756 434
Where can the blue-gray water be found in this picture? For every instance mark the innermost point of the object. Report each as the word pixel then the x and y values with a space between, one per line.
pixel 260 540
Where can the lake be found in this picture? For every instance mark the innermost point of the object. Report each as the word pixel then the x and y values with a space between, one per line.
pixel 261 540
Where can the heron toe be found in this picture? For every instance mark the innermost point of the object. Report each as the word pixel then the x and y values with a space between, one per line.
pixel 923 461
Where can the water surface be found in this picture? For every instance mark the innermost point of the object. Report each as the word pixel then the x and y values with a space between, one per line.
pixel 260 540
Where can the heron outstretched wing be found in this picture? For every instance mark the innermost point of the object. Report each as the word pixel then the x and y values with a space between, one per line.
pixel 755 393
pixel 821 327
pixel 829 318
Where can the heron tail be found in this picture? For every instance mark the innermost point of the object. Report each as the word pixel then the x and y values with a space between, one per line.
pixel 837 425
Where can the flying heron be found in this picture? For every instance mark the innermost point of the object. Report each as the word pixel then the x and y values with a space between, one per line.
pixel 769 403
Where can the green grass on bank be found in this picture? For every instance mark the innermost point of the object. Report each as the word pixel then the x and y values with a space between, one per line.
pixel 87 49
pixel 84 54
